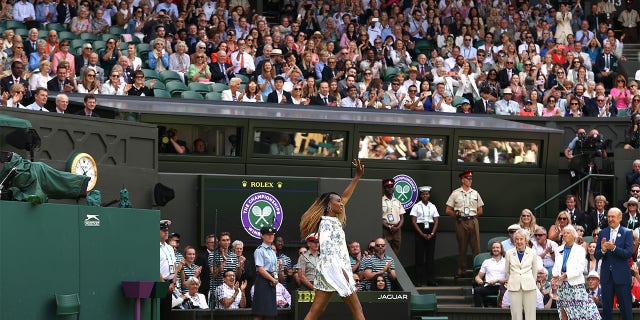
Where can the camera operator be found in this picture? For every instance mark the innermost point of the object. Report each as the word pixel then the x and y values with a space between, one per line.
pixel 171 144
pixel 582 149
pixel 632 134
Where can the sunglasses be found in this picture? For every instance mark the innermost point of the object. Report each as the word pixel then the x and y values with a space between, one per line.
pixel 512 231
pixel 115 75
pixel 574 103
pixel 562 218
pixel 91 75
pixel 632 190
pixel 540 234
pixel 380 245
pixel 297 89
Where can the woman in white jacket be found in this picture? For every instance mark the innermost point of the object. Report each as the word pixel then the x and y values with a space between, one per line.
pixel 573 300
pixel 521 266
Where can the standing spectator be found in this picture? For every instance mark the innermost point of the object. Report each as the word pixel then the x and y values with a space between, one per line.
pixel 615 247
pixel 231 294
pixel 493 272
pixel 392 216
pixel 167 266
pixel 424 217
pixel 139 87
pixel 629 19
pixel 307 263
pixel 544 247
pixel 110 55
pixel 573 299
pixel 221 260
pixel 202 260
pixel 563 24
pixel 577 216
pixel 606 66
pixel 122 17
pixel 465 205
pixel 158 57
pixel 521 266
pixel 188 268
pixel 286 271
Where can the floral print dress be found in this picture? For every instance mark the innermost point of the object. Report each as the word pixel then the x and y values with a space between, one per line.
pixel 334 267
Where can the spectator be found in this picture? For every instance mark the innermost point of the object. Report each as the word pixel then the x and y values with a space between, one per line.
pixel 283 297
pixel 98 23
pixel 187 268
pixel 41 95
pixel 379 264
pixel 506 106
pixel 592 264
pixel 555 231
pixel 493 272
pixel 545 248
pixel 193 299
pixel 297 97
pixel 577 216
pixel 180 61
pixel 307 263
pixel 605 68
pixel 62 102
pixel 61 83
pixel 89 107
pixel 64 55
pixel 351 100
pixel 82 22
pixel 222 259
pixel 24 11
pixel 521 268
pixel 285 272
pixel 630 218
pixel 40 76
pixel 279 95
pixel 593 288
pixel 233 93
pixel 13 98
pixel 122 17
pixel 127 71
pixel 230 294
pixel 528 221
pixel 158 57
pixel 202 260
pixel 221 71
pixel 252 92
pixel 509 243
pixel 114 86
pixel 139 88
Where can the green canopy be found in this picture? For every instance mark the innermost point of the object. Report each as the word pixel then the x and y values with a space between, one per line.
pixel 13 122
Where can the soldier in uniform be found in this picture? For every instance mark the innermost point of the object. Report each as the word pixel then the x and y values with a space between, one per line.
pixel 465 205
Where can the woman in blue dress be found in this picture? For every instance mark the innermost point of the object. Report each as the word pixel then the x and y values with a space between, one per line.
pixel 264 298
pixel 333 271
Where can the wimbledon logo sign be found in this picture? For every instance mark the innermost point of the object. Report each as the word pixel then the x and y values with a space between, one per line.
pixel 259 210
pixel 405 190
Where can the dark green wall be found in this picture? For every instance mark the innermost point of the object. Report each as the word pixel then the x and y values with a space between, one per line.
pixel 47 249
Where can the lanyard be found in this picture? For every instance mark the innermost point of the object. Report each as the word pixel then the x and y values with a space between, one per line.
pixel 425 218
pixel 467 198
pixel 166 255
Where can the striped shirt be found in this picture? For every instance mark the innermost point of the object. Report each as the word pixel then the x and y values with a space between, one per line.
pixel 215 260
pixel 188 273
pixel 375 264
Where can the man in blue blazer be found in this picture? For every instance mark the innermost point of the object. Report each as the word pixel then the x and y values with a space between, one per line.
pixel 615 248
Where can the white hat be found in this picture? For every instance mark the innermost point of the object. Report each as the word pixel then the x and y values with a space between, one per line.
pixel 424 189
pixel 593 274
pixel 514 226
pixel 506 91
pixel 631 200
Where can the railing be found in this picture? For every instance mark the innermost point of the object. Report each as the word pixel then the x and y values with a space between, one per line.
pixel 583 189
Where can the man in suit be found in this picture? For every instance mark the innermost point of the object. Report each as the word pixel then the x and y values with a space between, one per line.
pixel 595 18
pixel 323 98
pixel 329 72
pixel 41 96
pixel 61 82
pixel 614 248
pixel 278 95
pixel 17 70
pixel 577 215
pixel 504 75
pixel 221 72
pixel 202 259
pixel 483 105
pixel 605 69
pixel 66 12
pixel 89 107
pixel 30 44
pixel 233 93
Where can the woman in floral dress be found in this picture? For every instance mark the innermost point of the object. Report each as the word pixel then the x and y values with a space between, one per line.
pixel 333 271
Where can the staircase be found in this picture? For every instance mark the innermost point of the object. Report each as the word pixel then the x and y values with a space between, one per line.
pixel 632 52
pixel 452 292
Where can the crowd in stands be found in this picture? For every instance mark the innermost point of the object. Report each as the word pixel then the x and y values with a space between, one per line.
pixel 528 58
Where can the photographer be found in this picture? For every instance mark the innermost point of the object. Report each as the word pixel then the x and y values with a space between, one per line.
pixel 169 142
pixel 632 134
pixel 582 149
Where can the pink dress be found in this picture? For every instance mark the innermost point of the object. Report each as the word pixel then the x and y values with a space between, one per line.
pixel 550 113
pixel 621 103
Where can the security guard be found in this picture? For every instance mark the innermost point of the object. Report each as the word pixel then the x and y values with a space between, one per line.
pixel 424 217
pixel 392 216
pixel 465 205
pixel 167 268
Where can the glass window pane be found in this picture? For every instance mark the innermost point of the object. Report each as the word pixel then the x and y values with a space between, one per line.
pixel 200 140
pixel 505 152
pixel 402 147
pixel 299 143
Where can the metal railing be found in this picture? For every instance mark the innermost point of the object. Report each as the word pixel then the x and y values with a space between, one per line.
pixel 584 185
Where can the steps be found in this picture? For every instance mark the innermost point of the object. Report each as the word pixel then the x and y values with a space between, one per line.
pixel 631 51
pixel 451 292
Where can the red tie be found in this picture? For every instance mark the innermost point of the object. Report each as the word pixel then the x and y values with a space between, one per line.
pixel 241 61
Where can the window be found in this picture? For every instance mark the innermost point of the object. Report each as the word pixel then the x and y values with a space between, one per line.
pixel 504 152
pixel 299 143
pixel 200 140
pixel 402 147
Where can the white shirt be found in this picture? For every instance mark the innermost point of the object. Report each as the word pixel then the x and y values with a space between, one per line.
pixel 547 260
pixel 224 291
pixel 22 10
pixel 350 103
pixel 167 261
pixel 424 213
pixel 34 107
pixel 493 270
pixel 248 62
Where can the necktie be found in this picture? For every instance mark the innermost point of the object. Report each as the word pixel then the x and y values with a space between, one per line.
pixel 613 234
pixel 33 45
pixel 226 78
pixel 486 105
pixel 234 97
pixel 326 101
pixel 67 18
pixel 241 61
pixel 606 62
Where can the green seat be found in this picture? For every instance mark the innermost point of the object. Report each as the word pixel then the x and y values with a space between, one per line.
pixel 191 95
pixel 117 30
pixel 66 35
pixel 42 34
pixel 423 304
pixel 150 74
pixel 77 43
pixel 158 85
pixel 13 24
pixel 499 239
pixel 243 78
pixel 88 36
pixel 390 73
pixel 99 45
pixel 169 75
pixel 142 47
pixel 199 87
pixel 123 45
pixel 219 87
pixel 107 36
pixel 68 306
pixel 56 26
pixel 215 96
pixel 21 32
pixel 161 93
pixel 175 88
pixel 587 239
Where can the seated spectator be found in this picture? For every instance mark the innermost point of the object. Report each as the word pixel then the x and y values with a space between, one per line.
pixel 544 247
pixel 41 95
pixel 252 93
pixel 134 61
pixel 82 22
pixel 551 110
pixel 283 297
pixel 89 107
pixel 61 83
pixel 139 88
pixel 266 78
pixel 507 106
pixel 180 61
pixel 98 24
pixel 544 286
pixel 122 17
pixel 297 97
pixel 13 97
pixel 445 104
pixel 510 243
pixel 158 57
pixel 192 299
pixel 593 287
pixel 199 146
pixel 412 101
pixel 230 294
pixel 38 55
pixel 93 64
pixel 40 76
pixel 114 86
pixel 89 83
pixel 380 284
pixel 333 91
pixel 351 100
pixel 493 272
pixel 18 54
pixel 127 71
pixel 63 55
pixel 233 93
